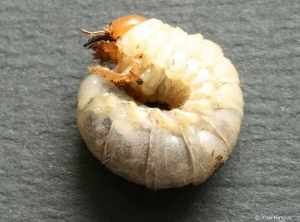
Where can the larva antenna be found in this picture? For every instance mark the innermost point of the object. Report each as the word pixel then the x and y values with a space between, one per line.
pixel 101 32
pixel 95 36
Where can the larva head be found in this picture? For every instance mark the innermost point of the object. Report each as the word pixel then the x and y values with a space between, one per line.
pixel 121 25
pixel 116 29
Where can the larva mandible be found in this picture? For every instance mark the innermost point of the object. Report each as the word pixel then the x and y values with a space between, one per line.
pixel 163 108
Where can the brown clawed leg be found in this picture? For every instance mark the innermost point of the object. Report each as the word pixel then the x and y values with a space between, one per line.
pixel 109 74
pixel 131 72
pixel 136 70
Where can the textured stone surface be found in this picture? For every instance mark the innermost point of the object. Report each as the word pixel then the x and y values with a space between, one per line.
pixel 48 174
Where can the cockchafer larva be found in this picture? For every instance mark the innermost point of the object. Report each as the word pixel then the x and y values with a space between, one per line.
pixel 164 108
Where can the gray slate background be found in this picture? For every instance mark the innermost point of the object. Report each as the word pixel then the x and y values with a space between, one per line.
pixel 46 170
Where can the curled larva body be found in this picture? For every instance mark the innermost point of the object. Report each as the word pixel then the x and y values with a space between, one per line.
pixel 184 142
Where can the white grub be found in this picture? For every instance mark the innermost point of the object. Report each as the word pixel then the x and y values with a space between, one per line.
pixel 163 148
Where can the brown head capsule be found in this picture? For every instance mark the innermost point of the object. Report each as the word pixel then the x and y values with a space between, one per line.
pixel 116 28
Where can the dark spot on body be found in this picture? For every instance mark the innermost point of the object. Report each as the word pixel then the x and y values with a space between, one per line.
pixel 139 81
pixel 106 122
pixel 219 161
pixel 213 152
pixel 102 128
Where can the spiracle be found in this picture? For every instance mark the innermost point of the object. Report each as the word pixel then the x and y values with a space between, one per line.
pixel 161 108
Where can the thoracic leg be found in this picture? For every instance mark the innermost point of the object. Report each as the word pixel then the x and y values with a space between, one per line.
pixel 109 74
pixel 132 71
